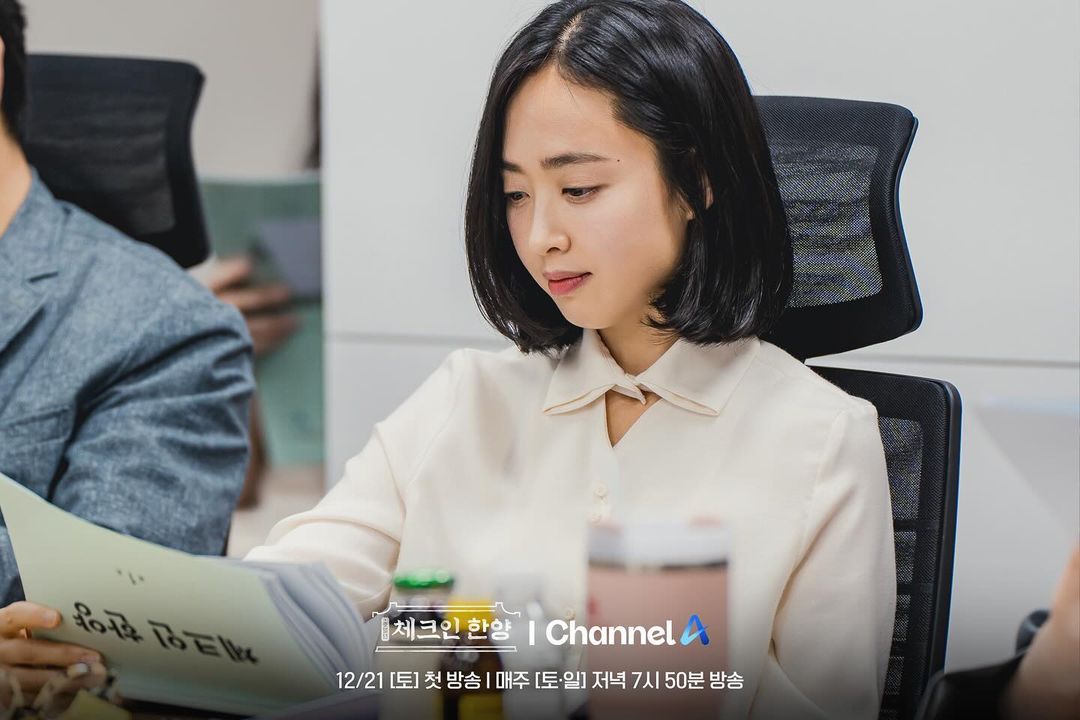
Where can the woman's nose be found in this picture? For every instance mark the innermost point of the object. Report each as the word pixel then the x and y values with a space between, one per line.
pixel 547 234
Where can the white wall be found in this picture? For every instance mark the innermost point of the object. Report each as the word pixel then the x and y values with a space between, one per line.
pixel 989 204
pixel 255 118
pixel 402 91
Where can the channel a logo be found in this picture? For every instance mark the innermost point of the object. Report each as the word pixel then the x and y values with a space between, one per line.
pixel 695 630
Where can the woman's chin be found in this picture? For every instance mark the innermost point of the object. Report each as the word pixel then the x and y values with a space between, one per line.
pixel 585 321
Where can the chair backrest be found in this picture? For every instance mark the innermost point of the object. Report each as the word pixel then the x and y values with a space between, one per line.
pixel 919 421
pixel 838 164
pixel 113 136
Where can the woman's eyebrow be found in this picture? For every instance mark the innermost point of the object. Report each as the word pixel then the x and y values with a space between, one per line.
pixel 557 161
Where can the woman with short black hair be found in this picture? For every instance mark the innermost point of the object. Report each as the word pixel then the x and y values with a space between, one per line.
pixel 624 230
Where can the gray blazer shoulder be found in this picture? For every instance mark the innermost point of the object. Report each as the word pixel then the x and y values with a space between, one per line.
pixel 124 384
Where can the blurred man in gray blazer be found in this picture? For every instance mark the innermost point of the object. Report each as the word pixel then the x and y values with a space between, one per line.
pixel 124 384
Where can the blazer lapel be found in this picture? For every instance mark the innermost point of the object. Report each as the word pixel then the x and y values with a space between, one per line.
pixel 27 254
pixel 18 305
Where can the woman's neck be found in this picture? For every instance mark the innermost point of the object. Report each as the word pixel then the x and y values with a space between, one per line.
pixel 636 347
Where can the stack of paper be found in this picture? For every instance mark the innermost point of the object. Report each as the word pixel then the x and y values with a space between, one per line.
pixel 200 632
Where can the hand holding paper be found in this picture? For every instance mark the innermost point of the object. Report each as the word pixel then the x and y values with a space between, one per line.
pixel 30 660
pixel 196 631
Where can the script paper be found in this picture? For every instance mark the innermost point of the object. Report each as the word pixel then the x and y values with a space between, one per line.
pixel 177 628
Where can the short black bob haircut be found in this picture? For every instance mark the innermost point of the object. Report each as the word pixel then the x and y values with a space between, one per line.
pixel 674 79
pixel 13 89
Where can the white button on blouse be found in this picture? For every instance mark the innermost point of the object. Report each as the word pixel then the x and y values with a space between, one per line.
pixel 499 462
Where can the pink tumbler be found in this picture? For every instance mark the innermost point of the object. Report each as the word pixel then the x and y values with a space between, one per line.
pixel 657 635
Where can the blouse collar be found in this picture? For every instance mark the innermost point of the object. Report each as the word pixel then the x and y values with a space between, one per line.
pixel 697 378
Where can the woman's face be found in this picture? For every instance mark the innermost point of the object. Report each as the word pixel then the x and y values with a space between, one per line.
pixel 588 210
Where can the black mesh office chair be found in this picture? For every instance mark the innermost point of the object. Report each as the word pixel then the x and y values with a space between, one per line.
pixel 838 163
pixel 113 136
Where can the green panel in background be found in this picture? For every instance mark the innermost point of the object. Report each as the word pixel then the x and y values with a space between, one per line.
pixel 290 379
pixel 290 383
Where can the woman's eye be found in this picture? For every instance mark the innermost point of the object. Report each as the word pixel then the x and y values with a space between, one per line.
pixel 514 197
pixel 580 193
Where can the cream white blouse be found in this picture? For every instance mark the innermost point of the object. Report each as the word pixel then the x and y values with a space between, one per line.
pixel 499 462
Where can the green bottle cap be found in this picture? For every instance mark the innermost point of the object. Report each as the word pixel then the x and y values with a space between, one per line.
pixel 428 579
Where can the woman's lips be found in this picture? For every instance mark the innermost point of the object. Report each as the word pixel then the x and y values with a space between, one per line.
pixel 562 286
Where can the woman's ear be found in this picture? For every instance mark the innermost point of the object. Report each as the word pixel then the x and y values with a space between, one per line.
pixel 703 180
pixel 708 197
pixel 707 187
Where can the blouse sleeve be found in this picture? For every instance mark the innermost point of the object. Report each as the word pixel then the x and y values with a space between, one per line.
pixel 355 530
pixel 832 631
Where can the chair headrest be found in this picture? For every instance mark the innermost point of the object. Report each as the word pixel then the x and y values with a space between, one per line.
pixel 838 163
pixel 113 136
